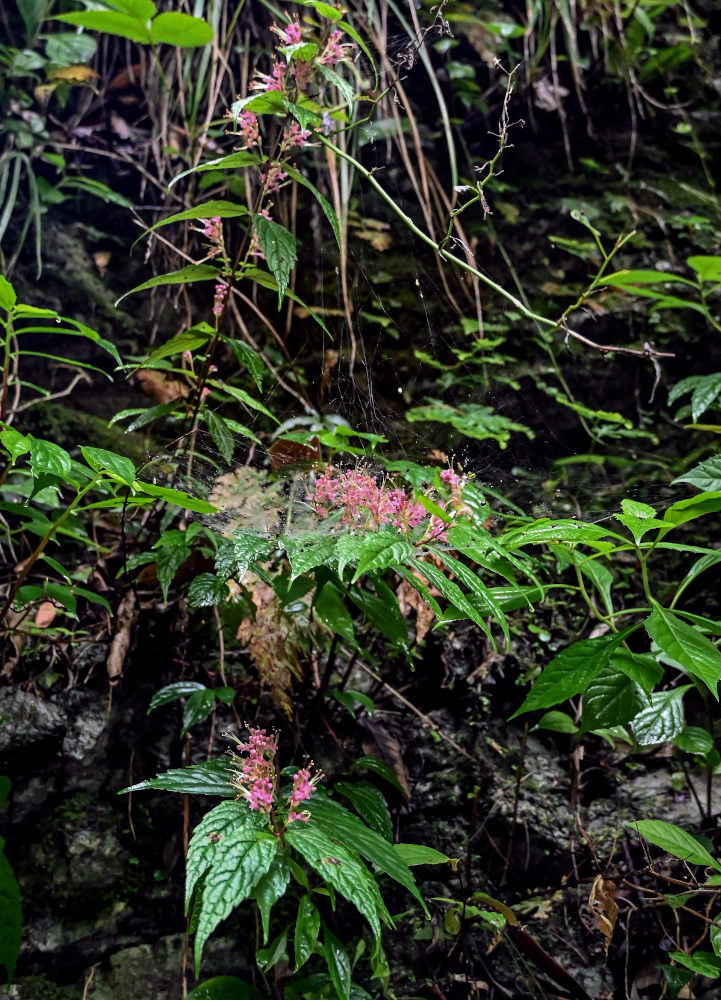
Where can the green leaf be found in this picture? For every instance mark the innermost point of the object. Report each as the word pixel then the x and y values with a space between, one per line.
pixel 706 476
pixel 47 458
pixel 610 699
pixel 663 720
pixel 419 854
pixel 212 777
pixel 206 210
pixel 474 421
pixel 197 708
pixel 243 397
pixel 370 804
pixel 693 507
pixel 172 692
pixel 231 854
pixel 345 89
pixel 557 722
pixel 181 30
pixel 451 591
pixel 332 612
pixel 224 988
pixel 15 443
pixel 270 888
pixel 110 22
pixel 325 205
pixel 702 962
pixel 469 579
pixel 307 925
pixel 383 611
pixel 546 532
pixel 275 954
pixel 177 497
pixel 640 667
pixel 707 268
pixel 235 555
pixel 305 552
pixel 378 767
pixel 627 279
pixel 10 915
pixel 339 822
pixel 170 557
pixel 338 964
pixel 572 670
pixel 221 435
pixel 101 460
pixel 325 10
pixel 191 339
pixel 183 276
pixel 693 739
pixel 714 934
pixel 380 550
pixel 675 841
pixel 602 579
pixel 340 867
pixel 233 161
pixel 696 654
pixel 67 48
pixel 250 359
pixel 8 297
pixel 280 251
pixel 206 590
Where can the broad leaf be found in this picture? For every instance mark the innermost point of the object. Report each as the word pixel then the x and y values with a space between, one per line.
pixel 177 497
pixel 206 590
pixel 381 550
pixel 611 699
pixel 183 276
pixel 307 925
pixel 270 888
pixel 212 777
pixel 107 461
pixel 172 692
pixel 674 840
pixel 663 720
pixel 706 476
pixel 206 210
pixel 231 854
pixel 181 30
pixel 686 645
pixel 419 854
pixel 338 964
pixel 197 709
pixel 370 804
pixel 572 670
pixel 280 251
pixel 236 555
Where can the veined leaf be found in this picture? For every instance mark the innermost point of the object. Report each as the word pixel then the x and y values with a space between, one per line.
pixel 674 840
pixel 183 276
pixel 212 777
pixel 206 210
pixel 171 692
pixel 307 925
pixel 686 645
pixel 270 888
pixel 706 476
pixel 381 550
pixel 280 251
pixel 663 720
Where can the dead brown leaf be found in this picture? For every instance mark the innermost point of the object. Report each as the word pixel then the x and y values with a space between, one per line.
pixel 160 388
pixel 602 903
pixel 45 614
pixel 127 613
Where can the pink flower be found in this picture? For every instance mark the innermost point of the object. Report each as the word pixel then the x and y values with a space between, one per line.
pixel 274 178
pixel 296 136
pixel 273 81
pixel 221 291
pixel 334 51
pixel 291 34
pixel 248 127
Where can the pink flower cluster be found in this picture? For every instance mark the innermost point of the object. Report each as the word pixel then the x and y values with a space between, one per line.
pixel 255 778
pixel 334 52
pixel 366 503
pixel 221 292
pixel 213 232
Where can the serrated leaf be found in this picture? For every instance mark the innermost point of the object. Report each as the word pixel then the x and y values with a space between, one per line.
pixel 232 854
pixel 662 720
pixel 206 590
pixel 221 435
pixel 479 422
pixel 686 645
pixel 330 816
pixel 452 592
pixel 640 667
pixel 307 926
pixel 332 612
pixel 280 250
pixel 572 670
pixel 235 555
pixel 212 777
pixel 270 888
pixel 380 550
pixel 674 840
pixel 547 532
pixel 340 868
pixel 172 692
pixel 308 551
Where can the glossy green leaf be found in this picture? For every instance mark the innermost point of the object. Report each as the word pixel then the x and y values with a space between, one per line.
pixel 381 550
pixel 675 841
pixel 190 340
pixel 383 611
pixel 557 722
pixel 212 777
pixel 270 888
pixel 280 251
pixel 693 507
pixel 221 434
pixel 706 476
pixel 714 934
pixel 682 642
pixel 706 267
pixel 451 591
pixel 177 497
pixel 236 555
pixel 332 612
pixel 250 359
pixel 546 532
pixel 15 443
pixel 243 397
pixel 107 461
pixel 340 867
pixel 642 668
pixel 231 854
pixel 206 590
pixel 219 208
pixel 699 567
pixel 338 964
pixel 370 804
pixel 378 767
pixel 8 297
pixel 705 963
pixel 172 692
pixel 307 926
pixel 305 552
pixel 479 422
pixel 109 22
pixel 662 720
pixel 611 699
pixel 572 670
pixel 224 988
pixel 325 205
pixel 197 709
pixel 47 458
pixel 693 739
pixel 337 821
